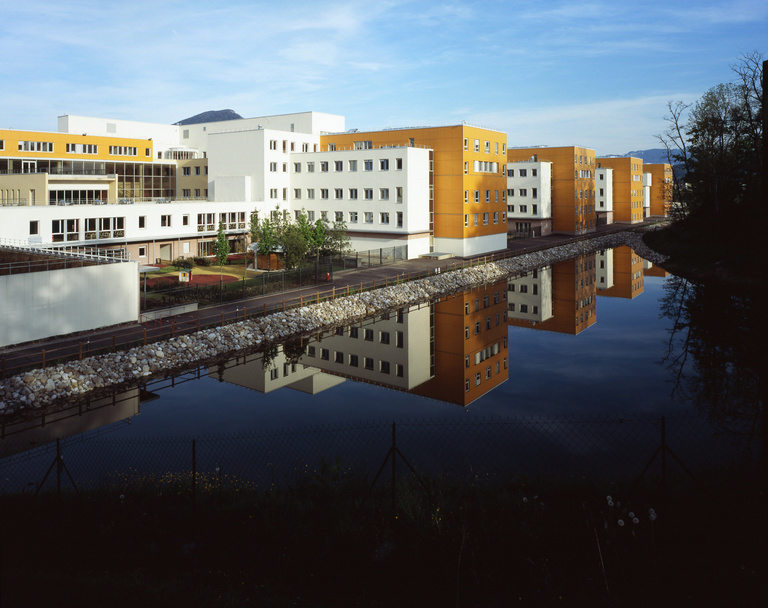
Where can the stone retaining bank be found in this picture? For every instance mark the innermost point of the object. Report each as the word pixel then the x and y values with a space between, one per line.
pixel 75 379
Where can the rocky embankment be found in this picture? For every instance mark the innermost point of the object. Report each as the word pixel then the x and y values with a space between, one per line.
pixel 66 381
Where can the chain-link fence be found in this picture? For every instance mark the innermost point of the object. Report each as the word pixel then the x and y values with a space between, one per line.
pixel 466 451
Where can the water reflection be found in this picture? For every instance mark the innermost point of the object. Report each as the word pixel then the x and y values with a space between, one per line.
pixel 715 349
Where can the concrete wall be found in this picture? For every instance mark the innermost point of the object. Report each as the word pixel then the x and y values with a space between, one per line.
pixel 38 305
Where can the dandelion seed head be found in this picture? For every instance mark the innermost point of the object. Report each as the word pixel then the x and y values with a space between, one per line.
pixel 610 503
pixel 635 520
pixel 631 514
pixel 609 499
pixel 621 522
pixel 652 517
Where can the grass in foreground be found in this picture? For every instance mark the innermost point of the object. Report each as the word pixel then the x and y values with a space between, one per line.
pixel 329 543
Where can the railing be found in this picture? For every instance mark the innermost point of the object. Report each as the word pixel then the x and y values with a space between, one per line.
pixel 89 254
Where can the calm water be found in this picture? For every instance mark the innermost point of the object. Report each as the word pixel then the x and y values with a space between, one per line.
pixel 588 338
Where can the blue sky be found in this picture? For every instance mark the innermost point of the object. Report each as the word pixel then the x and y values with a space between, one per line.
pixel 597 74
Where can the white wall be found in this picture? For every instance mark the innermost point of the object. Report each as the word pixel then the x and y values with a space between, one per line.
pixel 471 246
pixel 39 305
pixel 604 180
pixel 542 182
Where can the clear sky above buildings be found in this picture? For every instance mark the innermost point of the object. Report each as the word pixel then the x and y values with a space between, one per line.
pixel 559 72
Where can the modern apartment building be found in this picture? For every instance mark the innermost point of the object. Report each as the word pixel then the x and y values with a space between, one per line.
pixel 467 181
pixel 661 188
pixel 573 185
pixel 628 276
pixel 627 187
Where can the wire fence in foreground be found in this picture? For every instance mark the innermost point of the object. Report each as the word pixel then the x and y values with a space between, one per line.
pixel 492 450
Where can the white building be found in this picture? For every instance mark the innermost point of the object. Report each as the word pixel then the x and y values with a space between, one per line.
pixel 529 198
pixel 604 195
pixel 530 297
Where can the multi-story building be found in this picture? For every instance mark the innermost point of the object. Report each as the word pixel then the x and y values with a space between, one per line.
pixel 573 185
pixel 661 188
pixel 529 198
pixel 627 187
pixel 604 195
pixel 467 181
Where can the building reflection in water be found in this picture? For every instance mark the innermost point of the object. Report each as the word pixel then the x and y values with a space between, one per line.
pixel 41 427
pixel 454 350
pixel 559 298
pixel 627 274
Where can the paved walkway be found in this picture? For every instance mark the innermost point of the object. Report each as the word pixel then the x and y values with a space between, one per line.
pixel 45 352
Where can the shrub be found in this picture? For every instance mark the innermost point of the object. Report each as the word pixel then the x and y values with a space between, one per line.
pixel 182 263
pixel 201 261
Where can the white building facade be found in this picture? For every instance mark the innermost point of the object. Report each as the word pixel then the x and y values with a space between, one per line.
pixel 529 198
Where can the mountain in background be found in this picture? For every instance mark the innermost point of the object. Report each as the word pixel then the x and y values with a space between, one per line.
pixel 652 156
pixel 210 116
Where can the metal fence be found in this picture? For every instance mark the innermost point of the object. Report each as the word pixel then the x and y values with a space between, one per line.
pixel 476 451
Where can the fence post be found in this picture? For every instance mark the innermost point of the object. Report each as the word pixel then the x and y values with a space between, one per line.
pixel 222 318
pixel 664 457
pixel 42 353
pixel 194 474
pixel 114 343
pixel 394 477
pixel 145 343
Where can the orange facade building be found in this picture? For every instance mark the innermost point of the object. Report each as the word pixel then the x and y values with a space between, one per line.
pixel 627 188
pixel 573 185
pixel 661 188
pixel 627 275
pixel 467 181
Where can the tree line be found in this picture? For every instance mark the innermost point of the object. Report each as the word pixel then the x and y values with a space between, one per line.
pixel 716 147
pixel 298 239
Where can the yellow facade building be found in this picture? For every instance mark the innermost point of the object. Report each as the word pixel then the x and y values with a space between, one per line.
pixel 661 188
pixel 467 181
pixel 628 275
pixel 627 187
pixel 573 185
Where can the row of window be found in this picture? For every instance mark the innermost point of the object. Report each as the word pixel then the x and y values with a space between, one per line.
pixel 338 193
pixel 112 224
pixel 486 218
pixel 523 308
pixel 500 317
pixel 123 150
pixel 523 209
pixel 187 171
pixel 82 148
pixel 487 147
pixel 353 217
pixel 497 296
pixel 187 193
pixel 337 166
pixel 523 173
pixel 290 146
pixel 487 196
pixel 524 192
pixel 488 374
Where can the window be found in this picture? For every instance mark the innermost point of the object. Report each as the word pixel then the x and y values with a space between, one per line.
pixel 369 194
pixel 273 167
pixel 466 144
pixel 534 192
pixel 523 192
pixel 186 193
pixel 487 147
pixel 398 164
pixel 34 227
pixel 338 216
pixel 353 361
pixel 534 209
pixel 310 193
pixel 384 367
pixel 485 219
pixel 142 252
pixel 165 220
pixel 368 363
pixel 466 167
pixel 197 170
pixel 487 196
pixel 384 218
pixel 384 164
pixel 325 354
pixel 368 165
pixel 466 196
pixel 324 166
pixel 384 194
pixel 324 216
pixel 185 220
pixel 273 144
pixel 273 193
pixel 523 172
pixel 384 337
pixel 353 217
pixel 534 172
pixel 477 145
pixel 466 220
pixel 339 193
pixel 297 167
pixel 477 196
pixel 338 356
pixel 142 221
pixel 285 167
pixel 495 217
pixel 310 167
pixel 369 217
pixel 399 191
pixel 297 193
pixel 399 219
pixel 185 171
pixel 338 166
pixel 353 165
pixel 475 219
pixel 324 193
pixel 353 193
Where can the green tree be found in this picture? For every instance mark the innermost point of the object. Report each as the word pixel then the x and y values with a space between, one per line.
pixel 295 246
pixel 337 241
pixel 221 249
pixel 716 146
